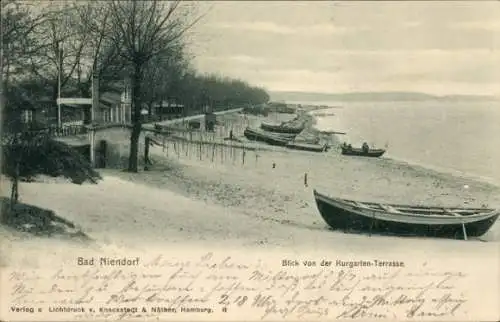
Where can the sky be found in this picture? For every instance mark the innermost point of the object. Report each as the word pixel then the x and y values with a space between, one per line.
pixel 338 46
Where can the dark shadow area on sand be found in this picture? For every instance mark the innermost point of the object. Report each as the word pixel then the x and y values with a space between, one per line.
pixel 38 221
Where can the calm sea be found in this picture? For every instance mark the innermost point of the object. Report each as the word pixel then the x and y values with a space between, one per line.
pixel 462 138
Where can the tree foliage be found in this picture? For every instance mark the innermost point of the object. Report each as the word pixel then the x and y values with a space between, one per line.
pixel 60 46
pixel 162 77
pixel 227 92
pixel 142 32
pixel 18 38
pixel 142 41
pixel 26 155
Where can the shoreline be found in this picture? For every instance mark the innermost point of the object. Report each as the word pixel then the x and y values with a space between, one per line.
pixel 459 174
pixel 400 161
pixel 472 156
pixel 362 179
pixel 187 199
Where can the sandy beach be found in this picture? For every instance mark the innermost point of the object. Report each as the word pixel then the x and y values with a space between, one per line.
pixel 197 202
pixel 216 161
pixel 216 199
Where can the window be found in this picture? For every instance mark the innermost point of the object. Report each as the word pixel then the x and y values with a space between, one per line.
pixel 27 116
pixel 126 93
pixel 106 115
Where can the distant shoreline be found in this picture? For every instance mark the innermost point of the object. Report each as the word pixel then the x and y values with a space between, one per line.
pixel 447 169
pixel 376 97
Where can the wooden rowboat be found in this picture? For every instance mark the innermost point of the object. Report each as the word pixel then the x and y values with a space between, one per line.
pixel 269 138
pixel 263 133
pixel 374 153
pixel 282 128
pixel 307 147
pixel 435 221
pixel 286 136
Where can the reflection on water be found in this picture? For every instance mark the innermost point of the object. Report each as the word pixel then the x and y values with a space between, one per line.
pixel 450 136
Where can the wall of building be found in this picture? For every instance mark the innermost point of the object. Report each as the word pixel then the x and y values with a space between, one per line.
pixel 118 146
pixel 118 113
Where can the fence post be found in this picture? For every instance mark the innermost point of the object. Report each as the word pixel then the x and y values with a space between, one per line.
pixel 146 153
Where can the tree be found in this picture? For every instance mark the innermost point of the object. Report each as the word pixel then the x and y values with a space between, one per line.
pixel 162 76
pixel 143 30
pixel 61 46
pixel 189 91
pixel 19 23
pixel 102 55
pixel 222 92
pixel 18 28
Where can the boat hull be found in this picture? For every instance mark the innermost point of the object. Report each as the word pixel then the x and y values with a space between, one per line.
pixel 339 218
pixel 359 152
pixel 281 128
pixel 262 137
pixel 284 136
pixel 307 147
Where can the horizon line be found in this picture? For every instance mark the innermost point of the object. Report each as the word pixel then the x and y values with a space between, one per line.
pixel 382 92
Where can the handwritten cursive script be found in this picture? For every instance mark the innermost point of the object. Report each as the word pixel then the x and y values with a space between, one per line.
pixel 208 284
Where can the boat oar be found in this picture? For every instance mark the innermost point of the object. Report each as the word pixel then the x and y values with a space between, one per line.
pixel 464 231
pixel 372 223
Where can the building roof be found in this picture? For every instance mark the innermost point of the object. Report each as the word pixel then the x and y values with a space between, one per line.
pixel 165 104
pixel 111 97
pixel 75 105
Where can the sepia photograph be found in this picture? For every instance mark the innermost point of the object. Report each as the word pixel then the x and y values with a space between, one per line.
pixel 250 160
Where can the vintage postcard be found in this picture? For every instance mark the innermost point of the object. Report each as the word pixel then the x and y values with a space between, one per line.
pixel 250 161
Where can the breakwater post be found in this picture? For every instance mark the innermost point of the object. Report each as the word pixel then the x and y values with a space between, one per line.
pixel 147 162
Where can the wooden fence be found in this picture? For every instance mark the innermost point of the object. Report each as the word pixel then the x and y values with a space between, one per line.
pixel 68 130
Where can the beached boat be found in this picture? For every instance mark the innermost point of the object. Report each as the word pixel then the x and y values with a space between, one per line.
pixel 308 147
pixel 282 128
pixel 324 114
pixel 269 138
pixel 436 221
pixel 375 153
pixel 332 132
pixel 285 136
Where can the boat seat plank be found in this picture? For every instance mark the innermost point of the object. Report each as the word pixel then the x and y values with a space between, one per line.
pixel 440 209
pixel 361 205
pixel 449 212
pixel 390 209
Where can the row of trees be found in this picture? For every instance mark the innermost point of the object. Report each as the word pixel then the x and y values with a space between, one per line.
pixel 143 41
pixel 217 92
